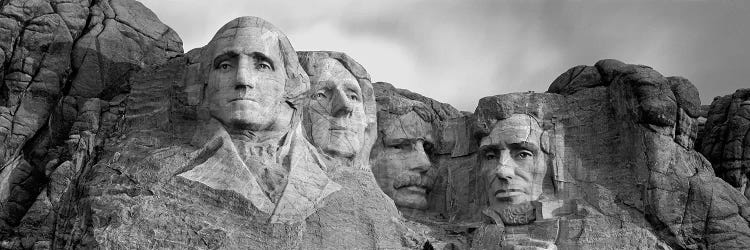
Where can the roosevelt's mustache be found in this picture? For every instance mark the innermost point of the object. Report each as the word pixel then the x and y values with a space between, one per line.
pixel 413 179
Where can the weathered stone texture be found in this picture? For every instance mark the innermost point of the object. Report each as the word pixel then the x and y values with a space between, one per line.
pixel 621 139
pixel 409 144
pixel 49 48
pixel 725 138
pixel 100 108
pixel 360 215
pixel 122 37
pixel 135 196
pixel 625 148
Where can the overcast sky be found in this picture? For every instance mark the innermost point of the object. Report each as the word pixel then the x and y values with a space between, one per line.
pixel 459 51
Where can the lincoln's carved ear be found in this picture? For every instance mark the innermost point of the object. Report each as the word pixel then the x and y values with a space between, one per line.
pixel 545 141
pixel 546 137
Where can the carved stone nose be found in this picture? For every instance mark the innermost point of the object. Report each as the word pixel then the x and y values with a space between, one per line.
pixel 340 105
pixel 244 76
pixel 421 160
pixel 505 172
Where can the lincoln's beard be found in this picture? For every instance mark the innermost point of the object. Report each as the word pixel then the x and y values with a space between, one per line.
pixel 519 214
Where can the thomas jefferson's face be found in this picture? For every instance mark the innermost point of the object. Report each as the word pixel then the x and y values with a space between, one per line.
pixel 336 109
pixel 401 160
pixel 512 161
pixel 246 80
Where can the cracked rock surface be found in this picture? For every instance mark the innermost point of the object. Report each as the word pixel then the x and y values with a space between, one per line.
pixel 64 62
pixel 98 102
pixel 622 138
pixel 726 138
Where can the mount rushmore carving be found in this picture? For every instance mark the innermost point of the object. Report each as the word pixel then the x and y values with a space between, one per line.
pixel 245 143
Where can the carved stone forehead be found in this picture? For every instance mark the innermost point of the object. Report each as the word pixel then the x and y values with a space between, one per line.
pixel 246 26
pixel 514 129
pixel 329 69
pixel 246 35
pixel 408 126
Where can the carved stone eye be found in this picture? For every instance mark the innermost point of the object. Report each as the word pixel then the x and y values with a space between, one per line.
pixel 399 146
pixel 524 155
pixel 263 66
pixel 224 66
pixel 490 156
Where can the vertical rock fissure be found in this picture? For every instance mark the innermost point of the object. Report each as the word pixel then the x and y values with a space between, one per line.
pixel 74 70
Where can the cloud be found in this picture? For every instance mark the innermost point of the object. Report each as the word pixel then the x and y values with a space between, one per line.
pixel 457 52
pixel 381 56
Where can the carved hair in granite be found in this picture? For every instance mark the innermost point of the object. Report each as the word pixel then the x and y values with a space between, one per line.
pixel 339 117
pixel 253 143
pixel 401 156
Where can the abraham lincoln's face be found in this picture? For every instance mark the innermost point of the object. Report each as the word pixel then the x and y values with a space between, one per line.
pixel 512 161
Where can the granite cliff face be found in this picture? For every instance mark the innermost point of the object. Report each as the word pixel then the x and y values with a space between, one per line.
pixel 622 169
pixel 726 138
pixel 111 139
pixel 639 159
pixel 65 67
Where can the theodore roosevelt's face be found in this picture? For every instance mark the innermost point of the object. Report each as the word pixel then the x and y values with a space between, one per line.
pixel 246 79
pixel 401 162
pixel 512 161
pixel 336 109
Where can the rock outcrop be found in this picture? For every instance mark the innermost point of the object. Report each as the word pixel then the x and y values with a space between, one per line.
pixel 65 66
pixel 725 140
pixel 622 169
pixel 622 140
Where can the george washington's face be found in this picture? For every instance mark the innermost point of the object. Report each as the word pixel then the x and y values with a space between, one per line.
pixel 246 79
pixel 336 109
pixel 512 162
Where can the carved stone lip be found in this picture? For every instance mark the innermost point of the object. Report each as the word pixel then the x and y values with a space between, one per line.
pixel 243 99
pixel 411 186
pixel 415 189
pixel 509 192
